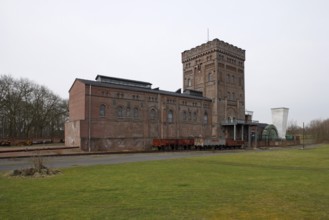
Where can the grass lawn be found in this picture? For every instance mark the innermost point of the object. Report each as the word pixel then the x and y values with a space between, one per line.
pixel 282 184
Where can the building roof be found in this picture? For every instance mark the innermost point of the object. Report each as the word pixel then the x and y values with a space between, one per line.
pixel 120 81
pixel 133 85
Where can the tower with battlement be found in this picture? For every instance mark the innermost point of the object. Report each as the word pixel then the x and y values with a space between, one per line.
pixel 216 69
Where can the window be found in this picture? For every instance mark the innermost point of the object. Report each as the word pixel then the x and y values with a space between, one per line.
pixel 189 116
pixel 205 118
pixel 170 116
pixel 102 110
pixel 152 114
pixel 128 112
pixel 136 113
pixel 189 82
pixel 195 116
pixel 209 77
pixel 184 115
pixel 120 112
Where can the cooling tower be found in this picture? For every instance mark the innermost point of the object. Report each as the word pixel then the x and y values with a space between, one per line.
pixel 280 119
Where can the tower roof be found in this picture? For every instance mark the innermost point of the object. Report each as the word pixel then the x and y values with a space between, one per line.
pixel 212 46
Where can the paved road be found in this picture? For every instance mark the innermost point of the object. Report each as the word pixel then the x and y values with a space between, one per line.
pixel 73 161
pixel 88 160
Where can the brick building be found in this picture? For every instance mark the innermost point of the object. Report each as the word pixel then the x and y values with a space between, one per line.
pixel 120 114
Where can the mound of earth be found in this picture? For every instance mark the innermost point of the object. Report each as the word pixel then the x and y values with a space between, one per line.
pixel 33 172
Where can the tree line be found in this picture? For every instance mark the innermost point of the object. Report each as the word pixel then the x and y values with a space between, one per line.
pixel 318 130
pixel 29 110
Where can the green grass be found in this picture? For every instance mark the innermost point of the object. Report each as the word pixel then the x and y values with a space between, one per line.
pixel 284 184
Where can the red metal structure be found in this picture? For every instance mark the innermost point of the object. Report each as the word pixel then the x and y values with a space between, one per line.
pixel 196 143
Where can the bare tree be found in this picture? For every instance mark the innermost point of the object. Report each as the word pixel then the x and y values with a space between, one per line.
pixel 319 130
pixel 28 110
pixel 293 128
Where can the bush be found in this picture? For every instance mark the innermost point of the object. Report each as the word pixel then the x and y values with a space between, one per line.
pixel 38 169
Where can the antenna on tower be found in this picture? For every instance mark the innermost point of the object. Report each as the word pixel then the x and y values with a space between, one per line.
pixel 207 34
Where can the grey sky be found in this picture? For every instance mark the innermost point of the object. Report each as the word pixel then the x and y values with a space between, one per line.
pixel 286 43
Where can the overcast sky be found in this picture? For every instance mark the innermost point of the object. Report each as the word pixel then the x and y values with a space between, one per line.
pixel 52 42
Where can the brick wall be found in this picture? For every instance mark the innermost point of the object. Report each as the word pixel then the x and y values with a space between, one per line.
pixel 128 122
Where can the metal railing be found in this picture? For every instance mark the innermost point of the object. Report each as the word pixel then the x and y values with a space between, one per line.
pixel 233 122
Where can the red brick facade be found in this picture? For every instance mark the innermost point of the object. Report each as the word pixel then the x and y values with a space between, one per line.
pixel 117 114
pixel 129 118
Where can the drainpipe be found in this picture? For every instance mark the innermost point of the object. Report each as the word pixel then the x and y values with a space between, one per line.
pixel 89 119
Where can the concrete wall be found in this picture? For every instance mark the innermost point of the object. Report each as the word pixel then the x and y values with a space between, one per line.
pixel 280 120
pixel 72 134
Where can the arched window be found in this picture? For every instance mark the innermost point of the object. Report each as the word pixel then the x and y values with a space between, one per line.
pixel 128 112
pixel 184 115
pixel 152 114
pixel 189 82
pixel 170 117
pixel 120 112
pixel 102 110
pixel 205 118
pixel 136 113
pixel 195 116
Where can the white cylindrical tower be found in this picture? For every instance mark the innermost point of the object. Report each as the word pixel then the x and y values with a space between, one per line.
pixel 280 119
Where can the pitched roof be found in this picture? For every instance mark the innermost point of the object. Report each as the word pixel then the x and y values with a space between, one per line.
pixel 132 87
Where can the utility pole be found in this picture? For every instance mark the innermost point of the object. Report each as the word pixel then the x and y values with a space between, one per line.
pixel 303 136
